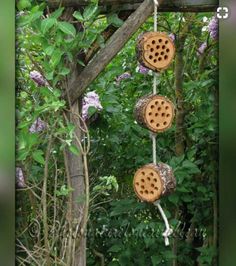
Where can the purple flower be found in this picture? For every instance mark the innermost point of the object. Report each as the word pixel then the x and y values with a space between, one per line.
pixel 142 69
pixel 38 78
pixel 172 36
pixel 213 28
pixel 202 48
pixel 20 179
pixel 91 99
pixel 38 126
pixel 125 75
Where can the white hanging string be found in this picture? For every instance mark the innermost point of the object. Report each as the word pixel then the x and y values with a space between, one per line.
pixel 168 230
pixel 156 4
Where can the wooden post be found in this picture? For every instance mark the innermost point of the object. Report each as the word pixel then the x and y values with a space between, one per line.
pixel 74 164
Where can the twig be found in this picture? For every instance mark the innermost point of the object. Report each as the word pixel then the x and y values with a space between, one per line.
pixel 44 200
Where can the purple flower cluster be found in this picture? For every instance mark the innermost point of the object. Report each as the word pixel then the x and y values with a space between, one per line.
pixel 213 28
pixel 38 78
pixel 38 126
pixel 91 99
pixel 142 69
pixel 20 179
pixel 202 48
pixel 172 36
pixel 125 75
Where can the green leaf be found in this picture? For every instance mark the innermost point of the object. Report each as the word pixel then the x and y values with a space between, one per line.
pixel 67 28
pixel 156 260
pixel 64 71
pixel 38 156
pixel 56 57
pixel 57 13
pixel 191 167
pixel 91 110
pixel 81 62
pixel 22 4
pixel 49 50
pixel 74 149
pixel 78 16
pixel 89 12
pixel 115 248
pixel 47 23
pixel 114 20
pixel 174 198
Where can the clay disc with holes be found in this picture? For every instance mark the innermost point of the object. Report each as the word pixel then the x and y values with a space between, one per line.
pixel 155 50
pixel 154 181
pixel 154 112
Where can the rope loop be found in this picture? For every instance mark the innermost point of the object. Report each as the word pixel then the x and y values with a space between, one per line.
pixel 168 230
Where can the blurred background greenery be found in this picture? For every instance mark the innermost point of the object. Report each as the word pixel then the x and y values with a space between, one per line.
pixel 7 132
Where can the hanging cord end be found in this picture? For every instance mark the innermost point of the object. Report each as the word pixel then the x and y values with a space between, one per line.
pixel 168 230
pixel 156 3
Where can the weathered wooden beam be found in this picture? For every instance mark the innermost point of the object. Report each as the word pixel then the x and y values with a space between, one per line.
pixel 167 6
pixel 112 47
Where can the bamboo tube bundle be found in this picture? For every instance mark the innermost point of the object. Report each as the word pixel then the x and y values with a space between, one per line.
pixel 154 112
pixel 155 50
pixel 152 182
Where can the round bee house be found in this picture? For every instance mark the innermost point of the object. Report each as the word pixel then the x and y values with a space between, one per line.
pixel 154 112
pixel 152 182
pixel 155 50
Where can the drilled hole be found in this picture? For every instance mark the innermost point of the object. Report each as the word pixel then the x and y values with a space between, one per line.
pixel 152 185
pixel 153 42
pixel 152 49
pixel 152 106
pixel 156 102
pixel 162 53
pixel 154 60
pixel 150 113
pixel 156 114
pixel 146 191
pixel 167 107
pixel 156 54
pixel 148 178
pixel 165 123
pixel 152 121
pixel 158 46
pixel 151 174
pixel 137 183
pixel 155 180
pixel 160 40
pixel 159 59
pixel 157 125
pixel 143 173
pixel 166 42
pixel 159 108
pixel 142 180
pixel 168 115
pixel 156 188
pixel 163 46
pixel 163 114
pixel 166 57
pixel 167 50
pixel 141 192
pixel 142 187
pixel 152 192
pixel 150 57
